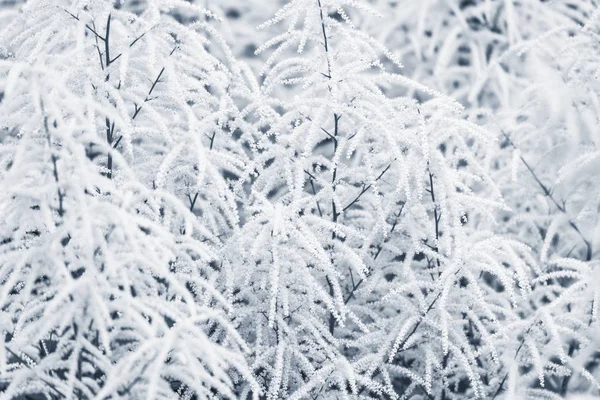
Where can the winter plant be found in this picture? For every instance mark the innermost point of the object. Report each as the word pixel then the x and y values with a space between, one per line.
pixel 303 199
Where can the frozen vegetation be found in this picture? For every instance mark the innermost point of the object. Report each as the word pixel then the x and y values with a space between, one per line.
pixel 299 199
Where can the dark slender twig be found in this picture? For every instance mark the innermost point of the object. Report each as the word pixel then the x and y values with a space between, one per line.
pixel 311 175
pixel 138 108
pixel 109 139
pixel 193 201
pixel 547 192
pixel 336 120
pixel 437 220
pixel 110 126
pixel 314 194
pixel 54 159
pixel 139 37
pixel 87 26
pixel 106 42
pixel 131 45
pixel 334 213
pixel 366 188
pixel 320 127
pixel 98 49
pixel 117 142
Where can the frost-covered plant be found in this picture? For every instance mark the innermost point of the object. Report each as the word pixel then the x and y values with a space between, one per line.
pixel 459 46
pixel 108 277
pixel 368 265
pixel 548 171
pixel 175 226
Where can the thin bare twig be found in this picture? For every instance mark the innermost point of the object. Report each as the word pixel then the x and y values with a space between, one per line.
pixel 547 192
